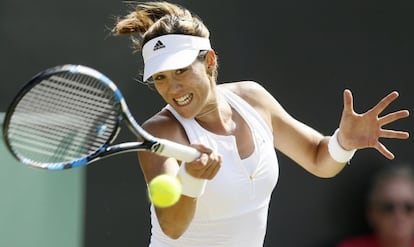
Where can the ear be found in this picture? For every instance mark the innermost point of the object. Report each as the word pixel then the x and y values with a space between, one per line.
pixel 211 59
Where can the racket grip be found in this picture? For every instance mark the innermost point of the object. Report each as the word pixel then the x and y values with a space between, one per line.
pixel 180 152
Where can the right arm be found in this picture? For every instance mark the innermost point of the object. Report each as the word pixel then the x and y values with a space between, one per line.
pixel 175 220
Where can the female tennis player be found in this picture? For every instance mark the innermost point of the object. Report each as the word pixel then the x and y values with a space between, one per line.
pixel 236 126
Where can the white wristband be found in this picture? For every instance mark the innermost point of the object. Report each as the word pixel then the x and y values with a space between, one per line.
pixel 191 186
pixel 337 152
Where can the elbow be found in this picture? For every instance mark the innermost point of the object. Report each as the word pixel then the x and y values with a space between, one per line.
pixel 172 232
pixel 173 227
pixel 174 221
pixel 324 173
pixel 328 173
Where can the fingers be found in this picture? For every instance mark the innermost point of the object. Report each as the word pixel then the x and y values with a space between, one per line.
pixel 394 134
pixel 384 102
pixel 378 108
pixel 207 165
pixel 394 116
pixel 212 165
pixel 384 151
pixel 348 101
pixel 201 148
pixel 364 130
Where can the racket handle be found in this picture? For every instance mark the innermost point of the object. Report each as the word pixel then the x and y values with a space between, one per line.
pixel 180 152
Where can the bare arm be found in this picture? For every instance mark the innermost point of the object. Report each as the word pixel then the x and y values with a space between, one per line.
pixel 303 144
pixel 175 220
pixel 309 148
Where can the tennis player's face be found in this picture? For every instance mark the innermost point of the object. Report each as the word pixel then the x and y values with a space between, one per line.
pixel 392 213
pixel 188 89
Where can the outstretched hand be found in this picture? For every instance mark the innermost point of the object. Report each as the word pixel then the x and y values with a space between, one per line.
pixel 364 130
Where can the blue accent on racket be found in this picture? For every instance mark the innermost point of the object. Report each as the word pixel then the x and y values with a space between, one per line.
pixel 69 116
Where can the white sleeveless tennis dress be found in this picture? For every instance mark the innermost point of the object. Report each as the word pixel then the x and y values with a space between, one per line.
pixel 233 210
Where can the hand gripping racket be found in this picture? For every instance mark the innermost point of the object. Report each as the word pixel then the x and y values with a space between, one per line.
pixel 69 116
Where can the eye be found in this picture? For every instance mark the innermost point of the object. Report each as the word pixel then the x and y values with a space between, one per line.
pixel 180 71
pixel 158 77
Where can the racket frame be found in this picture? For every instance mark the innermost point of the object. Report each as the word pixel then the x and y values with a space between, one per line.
pixel 150 143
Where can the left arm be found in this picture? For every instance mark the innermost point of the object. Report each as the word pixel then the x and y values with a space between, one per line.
pixel 309 148
pixel 356 131
pixel 303 144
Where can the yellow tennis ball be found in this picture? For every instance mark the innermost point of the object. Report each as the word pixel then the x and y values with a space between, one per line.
pixel 164 190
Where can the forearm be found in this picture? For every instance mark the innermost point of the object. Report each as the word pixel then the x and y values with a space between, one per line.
pixel 175 220
pixel 325 166
pixel 309 149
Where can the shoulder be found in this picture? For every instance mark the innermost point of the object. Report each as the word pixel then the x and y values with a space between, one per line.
pixel 243 88
pixel 252 92
pixel 164 125
pixel 260 99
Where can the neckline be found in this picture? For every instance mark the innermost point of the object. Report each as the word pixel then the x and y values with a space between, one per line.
pixel 234 107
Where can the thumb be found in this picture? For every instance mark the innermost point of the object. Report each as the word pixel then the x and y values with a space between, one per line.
pixel 348 101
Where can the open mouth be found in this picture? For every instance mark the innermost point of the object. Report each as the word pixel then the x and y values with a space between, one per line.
pixel 184 100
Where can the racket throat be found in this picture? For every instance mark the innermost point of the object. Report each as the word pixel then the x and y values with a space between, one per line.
pixel 155 146
pixel 128 147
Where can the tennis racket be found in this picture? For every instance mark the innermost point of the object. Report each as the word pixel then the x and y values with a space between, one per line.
pixel 69 116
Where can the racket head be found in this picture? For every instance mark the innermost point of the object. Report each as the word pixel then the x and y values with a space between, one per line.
pixel 63 117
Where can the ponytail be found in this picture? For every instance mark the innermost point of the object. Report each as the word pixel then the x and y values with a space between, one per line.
pixel 152 19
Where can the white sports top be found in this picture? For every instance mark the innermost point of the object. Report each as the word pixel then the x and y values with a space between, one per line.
pixel 233 210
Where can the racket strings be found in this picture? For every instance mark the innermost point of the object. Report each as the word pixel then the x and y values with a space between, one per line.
pixel 64 117
pixel 80 102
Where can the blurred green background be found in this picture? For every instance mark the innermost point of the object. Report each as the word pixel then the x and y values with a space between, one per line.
pixel 39 208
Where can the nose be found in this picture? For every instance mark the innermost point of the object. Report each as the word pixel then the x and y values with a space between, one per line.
pixel 174 85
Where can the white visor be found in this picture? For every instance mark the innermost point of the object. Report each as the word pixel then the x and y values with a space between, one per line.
pixel 171 51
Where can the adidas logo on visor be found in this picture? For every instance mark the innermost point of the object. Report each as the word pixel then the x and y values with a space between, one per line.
pixel 158 45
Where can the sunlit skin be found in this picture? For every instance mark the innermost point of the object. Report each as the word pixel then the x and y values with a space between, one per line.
pixel 188 90
pixel 191 91
pixel 369 125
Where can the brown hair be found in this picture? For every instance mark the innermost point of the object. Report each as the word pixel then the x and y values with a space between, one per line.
pixel 152 19
pixel 149 20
